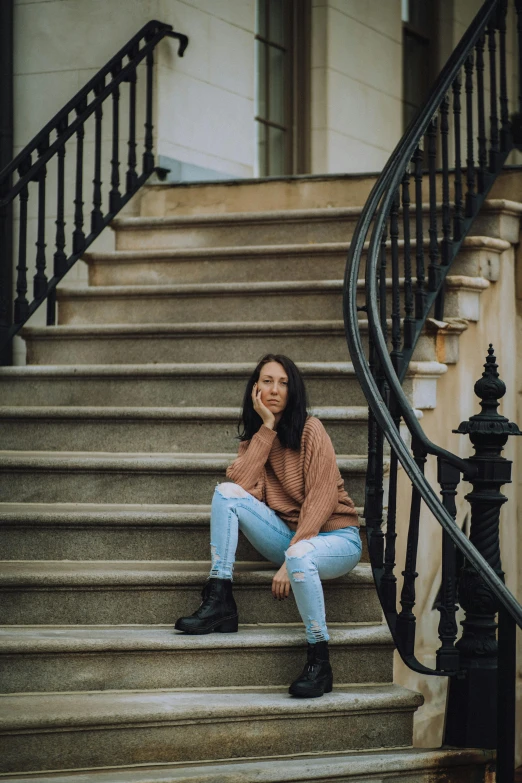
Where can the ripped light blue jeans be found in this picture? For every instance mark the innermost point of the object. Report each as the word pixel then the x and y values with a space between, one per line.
pixel 326 556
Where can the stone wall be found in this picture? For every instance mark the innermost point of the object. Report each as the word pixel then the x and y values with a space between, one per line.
pixel 356 84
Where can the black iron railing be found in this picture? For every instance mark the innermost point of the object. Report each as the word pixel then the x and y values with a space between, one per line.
pixel 416 218
pixel 97 156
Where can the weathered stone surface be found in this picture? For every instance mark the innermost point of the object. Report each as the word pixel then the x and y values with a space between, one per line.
pixel 205 342
pixel 162 385
pixel 76 531
pixel 411 765
pixel 157 592
pixel 99 658
pixel 90 477
pixel 167 265
pixel 201 302
pixel 155 429
pixel 41 731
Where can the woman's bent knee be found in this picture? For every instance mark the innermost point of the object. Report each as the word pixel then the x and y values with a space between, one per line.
pixel 297 561
pixel 230 490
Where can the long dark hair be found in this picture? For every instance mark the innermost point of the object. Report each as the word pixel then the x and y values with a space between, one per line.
pixel 290 427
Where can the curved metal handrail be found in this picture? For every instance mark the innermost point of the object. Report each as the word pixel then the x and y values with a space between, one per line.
pixel 375 213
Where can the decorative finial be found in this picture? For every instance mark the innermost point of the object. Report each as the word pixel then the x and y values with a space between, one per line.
pixel 490 388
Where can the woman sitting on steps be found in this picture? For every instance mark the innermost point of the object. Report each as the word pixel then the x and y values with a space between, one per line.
pixel 289 500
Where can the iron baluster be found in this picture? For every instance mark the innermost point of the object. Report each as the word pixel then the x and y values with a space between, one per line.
pixel 434 265
pixel 148 155
pixel 6 252
pixel 481 112
pixel 458 215
pixel 132 175
pixel 473 696
pixel 507 697
pixel 406 622
pixel 471 196
pixel 448 477
pixel 396 352
pixel 493 117
pixel 518 122
pixel 409 320
pixel 78 243
pixel 21 305
pixel 505 124
pixel 59 258
pixel 420 291
pixel 96 214
pixel 446 244
pixel 115 195
pixel 68 250
pixel 40 278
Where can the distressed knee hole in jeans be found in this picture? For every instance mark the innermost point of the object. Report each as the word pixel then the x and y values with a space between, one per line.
pixel 230 490
pixel 300 549
pixel 298 576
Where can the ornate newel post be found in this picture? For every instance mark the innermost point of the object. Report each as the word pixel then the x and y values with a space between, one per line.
pixel 472 706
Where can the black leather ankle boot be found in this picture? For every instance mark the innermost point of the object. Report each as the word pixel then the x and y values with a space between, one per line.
pixel 316 677
pixel 218 610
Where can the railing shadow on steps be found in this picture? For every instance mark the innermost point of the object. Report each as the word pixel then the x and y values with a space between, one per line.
pixel 451 130
pixel 48 149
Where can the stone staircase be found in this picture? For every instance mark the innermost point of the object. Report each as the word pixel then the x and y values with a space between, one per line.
pixel 114 436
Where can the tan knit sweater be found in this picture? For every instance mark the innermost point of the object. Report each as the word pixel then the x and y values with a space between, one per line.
pixel 303 487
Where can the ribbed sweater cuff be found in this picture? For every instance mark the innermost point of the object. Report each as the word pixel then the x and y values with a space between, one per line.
pixel 266 434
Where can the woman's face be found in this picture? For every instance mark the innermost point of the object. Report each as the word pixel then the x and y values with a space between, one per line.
pixel 273 382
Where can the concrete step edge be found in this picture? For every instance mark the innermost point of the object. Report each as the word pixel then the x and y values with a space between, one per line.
pixel 82 371
pixel 148 462
pixel 20 640
pixel 49 574
pixel 69 515
pixel 244 218
pixel 305 767
pixel 331 413
pixel 88 331
pixel 247 251
pixel 210 290
pixel 44 712
pixel 281 216
pixel 214 328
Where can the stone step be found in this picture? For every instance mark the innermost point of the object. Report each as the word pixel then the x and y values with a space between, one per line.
pixel 479 256
pixel 498 218
pixel 100 658
pixel 288 301
pixel 187 384
pixel 245 195
pixel 216 341
pixel 407 765
pixel 163 430
pixel 283 193
pixel 102 477
pixel 157 592
pixel 46 731
pixel 161 385
pixel 81 531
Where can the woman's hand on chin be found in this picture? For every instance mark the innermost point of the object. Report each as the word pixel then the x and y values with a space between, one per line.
pixel 261 409
pixel 281 584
